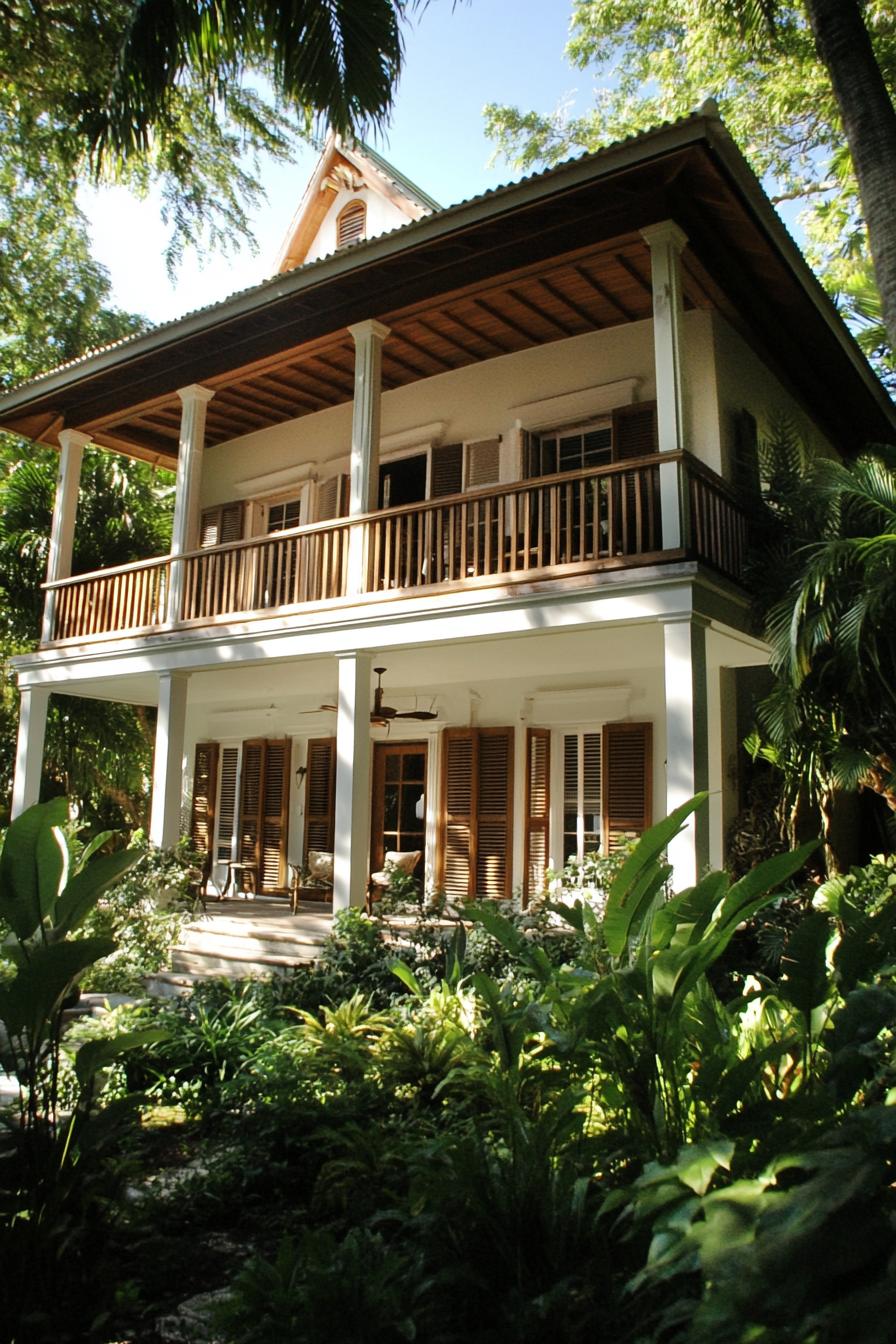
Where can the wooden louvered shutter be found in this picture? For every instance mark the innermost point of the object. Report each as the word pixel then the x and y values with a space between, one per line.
pixel 221 525
pixel 320 794
pixel 264 797
pixel 634 431
pixel 636 498
pixel 205 783
pixel 627 782
pixel 476 831
pixel 229 773
pixel 746 454
pixel 456 848
pixel 351 223
pixel 447 470
pixel 483 463
pixel 275 793
pixel 538 809
pixel 494 829
pixel 332 498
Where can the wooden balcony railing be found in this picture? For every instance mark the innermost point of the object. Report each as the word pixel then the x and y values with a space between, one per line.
pixel 607 517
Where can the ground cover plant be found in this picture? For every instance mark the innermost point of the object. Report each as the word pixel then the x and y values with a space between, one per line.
pixel 511 1133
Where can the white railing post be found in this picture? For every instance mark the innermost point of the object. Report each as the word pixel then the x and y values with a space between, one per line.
pixel 365 457
pixel 185 525
pixel 62 536
pixel 666 242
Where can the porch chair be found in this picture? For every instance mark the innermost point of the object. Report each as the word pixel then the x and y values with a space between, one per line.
pixel 395 861
pixel 314 882
pixel 199 877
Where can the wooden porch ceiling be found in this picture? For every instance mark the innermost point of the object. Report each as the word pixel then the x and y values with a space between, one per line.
pixel 548 258
pixel 587 290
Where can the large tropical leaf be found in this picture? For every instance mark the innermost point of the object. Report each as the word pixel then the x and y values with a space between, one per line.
pixel 85 888
pixel 640 879
pixel 805 981
pixel 31 866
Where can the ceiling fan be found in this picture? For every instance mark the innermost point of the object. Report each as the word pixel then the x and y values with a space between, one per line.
pixel 382 715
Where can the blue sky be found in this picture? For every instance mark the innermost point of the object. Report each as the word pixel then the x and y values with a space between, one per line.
pixel 458 58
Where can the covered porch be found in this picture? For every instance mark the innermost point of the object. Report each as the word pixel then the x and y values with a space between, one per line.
pixel 509 736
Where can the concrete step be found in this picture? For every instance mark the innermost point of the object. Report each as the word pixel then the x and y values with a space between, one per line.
pixel 264 940
pixel 242 938
pixel 239 962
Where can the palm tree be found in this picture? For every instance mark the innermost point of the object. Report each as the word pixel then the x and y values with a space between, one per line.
pixel 834 633
pixel 334 60
pixel 827 608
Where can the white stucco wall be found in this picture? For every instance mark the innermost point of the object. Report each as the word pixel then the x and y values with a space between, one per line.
pixel 382 217
pixel 745 383
pixel 478 402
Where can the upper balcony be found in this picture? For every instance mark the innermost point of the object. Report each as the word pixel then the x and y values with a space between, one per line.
pixel 536 531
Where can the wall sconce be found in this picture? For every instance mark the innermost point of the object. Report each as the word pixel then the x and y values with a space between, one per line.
pixel 301 772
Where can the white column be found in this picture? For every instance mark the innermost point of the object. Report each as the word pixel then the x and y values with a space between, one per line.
pixel 168 760
pixel 666 242
pixel 351 868
pixel 687 746
pixel 364 469
pixel 34 701
pixel 185 524
pixel 62 535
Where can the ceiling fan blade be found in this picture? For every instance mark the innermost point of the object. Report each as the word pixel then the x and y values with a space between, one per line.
pixel 421 714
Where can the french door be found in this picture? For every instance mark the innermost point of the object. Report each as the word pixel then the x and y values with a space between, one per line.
pixel 398 820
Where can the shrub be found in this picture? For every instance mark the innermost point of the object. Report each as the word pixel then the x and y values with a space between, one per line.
pixel 144 914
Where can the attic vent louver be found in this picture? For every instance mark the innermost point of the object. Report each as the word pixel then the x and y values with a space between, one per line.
pixel 351 224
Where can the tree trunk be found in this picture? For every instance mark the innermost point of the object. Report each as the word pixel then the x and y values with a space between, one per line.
pixel 869 124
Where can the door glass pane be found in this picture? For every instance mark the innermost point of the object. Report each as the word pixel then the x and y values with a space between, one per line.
pixel 413 766
pixel 410 799
pixel 391 799
pixel 393 766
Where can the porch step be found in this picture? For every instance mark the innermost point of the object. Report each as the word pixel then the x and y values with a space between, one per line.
pixel 242 938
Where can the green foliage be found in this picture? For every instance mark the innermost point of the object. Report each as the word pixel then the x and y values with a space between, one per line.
pixel 143 913
pixel 611 1144
pixel 97 752
pixel 51 1192
pixel 830 720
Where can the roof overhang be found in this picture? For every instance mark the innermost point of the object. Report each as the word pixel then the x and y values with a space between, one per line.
pixel 549 257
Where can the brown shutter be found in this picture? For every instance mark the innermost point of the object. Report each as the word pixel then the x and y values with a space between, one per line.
pixel 275 818
pixel 746 454
pixel 538 809
pixel 494 841
pixel 447 470
pixel 332 498
pixel 320 794
pixel 636 501
pixel 483 463
pixel 229 771
pixel 251 778
pixel 456 846
pixel 264 799
pixel 634 431
pixel 477 817
pixel 628 777
pixel 221 525
pixel 205 783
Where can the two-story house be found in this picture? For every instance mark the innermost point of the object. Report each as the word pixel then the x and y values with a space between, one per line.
pixel 499 450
